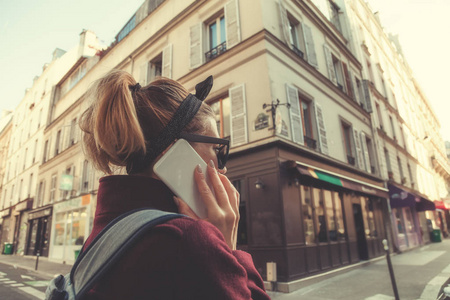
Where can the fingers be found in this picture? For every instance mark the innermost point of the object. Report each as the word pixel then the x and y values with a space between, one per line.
pixel 204 190
pixel 233 194
pixel 219 189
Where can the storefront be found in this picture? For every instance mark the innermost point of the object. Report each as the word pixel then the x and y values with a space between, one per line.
pixel 70 227
pixel 20 223
pixel 6 234
pixel 410 225
pixel 39 224
pixel 442 217
pixel 306 214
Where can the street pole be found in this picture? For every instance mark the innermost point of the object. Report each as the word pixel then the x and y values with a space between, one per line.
pixel 37 261
pixel 391 270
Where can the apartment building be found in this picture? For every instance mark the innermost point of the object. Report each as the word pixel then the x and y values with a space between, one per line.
pixel 410 149
pixel 5 137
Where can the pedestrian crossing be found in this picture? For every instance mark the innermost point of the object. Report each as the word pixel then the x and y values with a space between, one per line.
pixel 26 287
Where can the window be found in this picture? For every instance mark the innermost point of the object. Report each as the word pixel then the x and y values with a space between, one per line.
pixel 154 68
pixel 392 128
pixel 73 132
pixel 319 207
pixel 30 184
pixel 410 175
pixel 44 158
pixel 388 162
pixel 40 194
pixel 347 132
pixel 85 177
pixel 53 189
pixel 57 142
pixel 380 118
pixel 296 37
pixel 409 222
pixel 308 218
pixel 35 151
pixel 359 90
pixel 370 149
pixel 69 171
pixel 369 70
pixel 216 38
pixel 334 15
pixel 19 194
pixel 307 122
pixel 340 229
pixel 127 28
pixel 40 119
pixel 348 82
pixel 242 237
pixel 400 168
pixel 338 71
pixel 221 108
pixel 25 159
pixel 70 82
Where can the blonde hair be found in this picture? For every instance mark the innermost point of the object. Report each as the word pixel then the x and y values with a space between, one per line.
pixel 119 123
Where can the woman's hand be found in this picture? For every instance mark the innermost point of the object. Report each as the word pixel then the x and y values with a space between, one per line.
pixel 222 209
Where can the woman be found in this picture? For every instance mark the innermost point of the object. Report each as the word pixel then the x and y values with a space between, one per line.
pixel 186 258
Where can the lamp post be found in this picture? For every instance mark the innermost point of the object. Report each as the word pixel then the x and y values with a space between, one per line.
pixel 391 270
pixel 273 108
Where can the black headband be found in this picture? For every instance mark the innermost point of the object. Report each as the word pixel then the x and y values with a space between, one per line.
pixel 182 116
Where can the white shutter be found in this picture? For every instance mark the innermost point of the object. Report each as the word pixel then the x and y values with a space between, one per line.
pixel 321 129
pixel 365 151
pixel 233 30
pixel 196 53
pixel 295 114
pixel 143 74
pixel 330 65
pixel 66 137
pixel 167 61
pixel 358 152
pixel 310 48
pixel 80 183
pixel 285 23
pixel 238 115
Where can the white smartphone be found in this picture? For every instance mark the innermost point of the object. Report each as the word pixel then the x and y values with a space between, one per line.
pixel 176 169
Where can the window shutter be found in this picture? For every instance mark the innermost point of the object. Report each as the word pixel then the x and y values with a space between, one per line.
pixel 321 129
pixel 330 66
pixel 309 42
pixel 196 54
pixel 365 150
pixel 238 115
pixel 66 137
pixel 233 30
pixel 167 61
pixel 284 23
pixel 368 104
pixel 357 142
pixel 143 74
pixel 348 84
pixel 295 114
pixel 80 183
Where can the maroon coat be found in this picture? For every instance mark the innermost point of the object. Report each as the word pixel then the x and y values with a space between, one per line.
pixel 181 259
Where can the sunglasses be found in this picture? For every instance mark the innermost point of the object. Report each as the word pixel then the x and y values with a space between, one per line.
pixel 221 150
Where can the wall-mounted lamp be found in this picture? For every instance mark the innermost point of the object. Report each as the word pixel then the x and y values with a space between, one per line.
pixel 296 182
pixel 259 184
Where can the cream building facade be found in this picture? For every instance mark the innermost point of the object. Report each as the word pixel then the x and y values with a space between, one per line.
pixel 5 137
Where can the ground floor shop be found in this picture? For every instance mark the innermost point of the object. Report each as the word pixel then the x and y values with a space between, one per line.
pixel 306 214
pixel 39 226
pixel 410 216
pixel 71 225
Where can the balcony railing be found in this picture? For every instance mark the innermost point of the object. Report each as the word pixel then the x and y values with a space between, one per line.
pixel 351 160
pixel 310 142
pixel 298 51
pixel 214 52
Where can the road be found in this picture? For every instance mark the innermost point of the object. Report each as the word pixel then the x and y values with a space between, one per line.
pixel 21 284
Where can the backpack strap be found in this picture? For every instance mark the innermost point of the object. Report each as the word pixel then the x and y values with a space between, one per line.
pixel 111 243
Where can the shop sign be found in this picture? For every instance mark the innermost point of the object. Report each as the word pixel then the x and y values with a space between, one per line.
pixel 5 213
pixel 27 204
pixel 40 214
pixel 66 182
pixel 67 205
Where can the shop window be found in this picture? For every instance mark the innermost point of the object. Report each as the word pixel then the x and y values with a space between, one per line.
pixel 221 108
pixel 60 224
pixel 242 236
pixel 398 220
pixel 409 222
pixel 332 232
pixel 369 218
pixel 308 219
pixel 319 207
pixel 340 228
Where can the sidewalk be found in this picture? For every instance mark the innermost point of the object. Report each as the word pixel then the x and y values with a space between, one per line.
pixel 419 274
pixel 45 267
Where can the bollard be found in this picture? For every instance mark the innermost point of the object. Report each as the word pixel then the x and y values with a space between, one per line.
pixel 391 270
pixel 37 261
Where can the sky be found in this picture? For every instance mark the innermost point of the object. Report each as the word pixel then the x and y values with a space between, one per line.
pixel 31 29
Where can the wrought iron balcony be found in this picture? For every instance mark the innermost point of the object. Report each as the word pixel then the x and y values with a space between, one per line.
pixel 214 52
pixel 310 142
pixel 351 160
pixel 298 51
